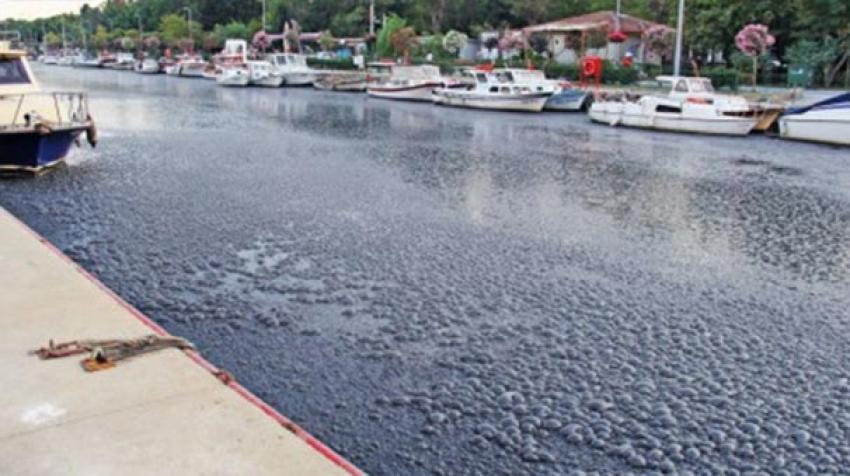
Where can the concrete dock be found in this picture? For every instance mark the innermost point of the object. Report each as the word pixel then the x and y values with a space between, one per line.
pixel 162 413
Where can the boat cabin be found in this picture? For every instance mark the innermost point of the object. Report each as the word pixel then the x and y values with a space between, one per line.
pixel 15 74
pixel 684 87
pixel 507 81
pixel 288 60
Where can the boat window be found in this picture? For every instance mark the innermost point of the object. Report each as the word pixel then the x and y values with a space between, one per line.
pixel 482 78
pixel 494 89
pixel 12 71
pixel 682 86
pixel 668 109
pixel 506 90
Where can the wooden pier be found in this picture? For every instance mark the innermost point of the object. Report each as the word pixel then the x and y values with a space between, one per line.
pixel 164 413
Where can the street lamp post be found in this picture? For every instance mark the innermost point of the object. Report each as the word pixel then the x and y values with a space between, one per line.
pixel 189 25
pixel 680 29
pixel 372 18
pixel 264 15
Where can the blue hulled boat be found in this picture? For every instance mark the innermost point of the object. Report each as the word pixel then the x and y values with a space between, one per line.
pixel 37 129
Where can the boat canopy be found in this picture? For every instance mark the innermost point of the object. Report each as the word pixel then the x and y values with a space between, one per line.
pixel 416 72
pixel 842 101
pixel 686 85
pixel 15 74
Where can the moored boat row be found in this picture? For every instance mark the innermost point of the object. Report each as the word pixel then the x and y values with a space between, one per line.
pixel 685 104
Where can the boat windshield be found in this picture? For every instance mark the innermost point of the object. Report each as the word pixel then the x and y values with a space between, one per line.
pixel 701 86
pixel 12 71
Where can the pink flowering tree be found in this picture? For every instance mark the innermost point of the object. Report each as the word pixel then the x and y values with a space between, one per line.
pixel 660 40
pixel 754 40
pixel 261 41
pixel 513 41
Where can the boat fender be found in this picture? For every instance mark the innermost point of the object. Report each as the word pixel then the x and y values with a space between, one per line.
pixel 91 133
pixel 43 128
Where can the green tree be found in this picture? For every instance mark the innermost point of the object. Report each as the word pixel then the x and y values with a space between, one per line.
pixel 173 28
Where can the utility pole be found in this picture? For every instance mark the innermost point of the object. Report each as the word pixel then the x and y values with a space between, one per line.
pixel 139 45
pixel 680 31
pixel 83 30
pixel 64 43
pixel 264 15
pixel 189 26
pixel 372 18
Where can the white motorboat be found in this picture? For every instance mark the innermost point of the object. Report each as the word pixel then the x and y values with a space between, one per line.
pixel 342 81
pixel 190 66
pixel 826 121
pixel 496 90
pixel 232 64
pixel 66 60
pixel 123 62
pixel 87 61
pixel 211 71
pixel 148 66
pixel 691 105
pixel 566 98
pixel 293 68
pixel 262 73
pixel 233 75
pixel 410 83
pixel 49 59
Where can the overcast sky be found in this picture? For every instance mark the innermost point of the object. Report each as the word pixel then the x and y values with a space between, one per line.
pixel 30 9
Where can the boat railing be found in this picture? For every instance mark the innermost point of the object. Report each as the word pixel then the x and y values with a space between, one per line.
pixel 55 108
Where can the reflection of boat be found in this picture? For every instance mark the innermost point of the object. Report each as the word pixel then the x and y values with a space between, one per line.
pixel 37 129
pixel 148 66
pixel 411 83
pixel 690 106
pixel 262 73
pixel 496 90
pixel 826 121
pixel 293 68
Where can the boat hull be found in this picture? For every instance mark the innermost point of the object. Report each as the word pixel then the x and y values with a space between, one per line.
pixel 813 129
pixel 673 122
pixel 233 80
pixel 569 100
pixel 192 71
pixel 423 92
pixel 498 102
pixel 268 82
pixel 32 151
pixel 298 79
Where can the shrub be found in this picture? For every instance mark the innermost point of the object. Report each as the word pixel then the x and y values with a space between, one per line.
pixel 331 63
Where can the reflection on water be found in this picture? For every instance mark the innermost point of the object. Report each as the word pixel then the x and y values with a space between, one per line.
pixel 548 173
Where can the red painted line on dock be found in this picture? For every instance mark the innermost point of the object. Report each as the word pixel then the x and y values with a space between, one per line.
pixel 314 442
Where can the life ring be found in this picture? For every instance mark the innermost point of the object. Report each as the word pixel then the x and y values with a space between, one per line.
pixel 589 68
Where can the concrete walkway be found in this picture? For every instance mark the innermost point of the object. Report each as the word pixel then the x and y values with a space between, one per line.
pixel 162 413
